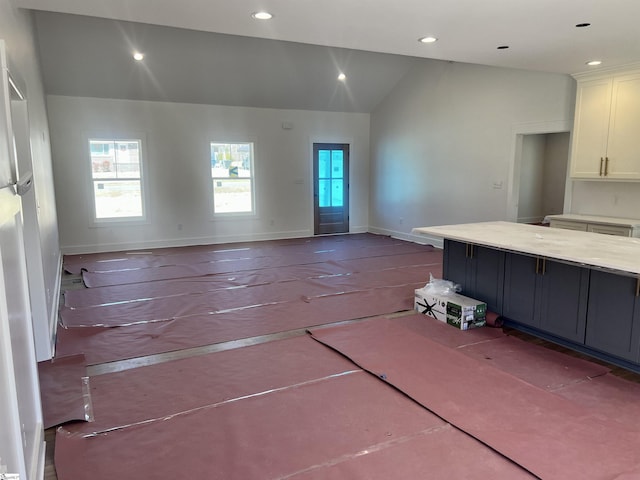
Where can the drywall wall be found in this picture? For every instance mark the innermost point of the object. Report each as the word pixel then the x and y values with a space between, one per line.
pixel 543 174
pixel 555 172
pixel 615 199
pixel 441 142
pixel 177 138
pixel 39 210
pixel 532 178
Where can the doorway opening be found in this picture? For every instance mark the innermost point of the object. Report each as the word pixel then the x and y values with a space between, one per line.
pixel 540 168
pixel 542 179
pixel 330 188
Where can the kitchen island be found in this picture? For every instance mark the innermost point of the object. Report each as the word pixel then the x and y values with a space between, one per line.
pixel 579 289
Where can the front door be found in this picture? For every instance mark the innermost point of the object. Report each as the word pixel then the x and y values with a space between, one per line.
pixel 331 188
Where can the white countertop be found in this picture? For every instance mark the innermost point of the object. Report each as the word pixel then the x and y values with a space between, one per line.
pixel 623 222
pixel 591 249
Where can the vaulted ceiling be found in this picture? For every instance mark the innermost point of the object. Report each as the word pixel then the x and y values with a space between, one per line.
pixel 92 57
pixel 213 51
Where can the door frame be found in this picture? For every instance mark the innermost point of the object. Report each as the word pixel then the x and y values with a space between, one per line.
pixel 329 140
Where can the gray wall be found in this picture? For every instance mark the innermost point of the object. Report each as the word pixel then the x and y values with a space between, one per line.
pixel 43 253
pixel 555 172
pixel 543 173
pixel 530 199
pixel 178 176
pixel 616 199
pixel 441 142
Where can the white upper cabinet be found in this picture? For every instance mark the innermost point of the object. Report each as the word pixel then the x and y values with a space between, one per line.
pixel 606 135
pixel 591 126
pixel 623 147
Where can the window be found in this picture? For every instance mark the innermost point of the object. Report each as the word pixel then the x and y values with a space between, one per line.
pixel 232 176
pixel 116 172
pixel 331 178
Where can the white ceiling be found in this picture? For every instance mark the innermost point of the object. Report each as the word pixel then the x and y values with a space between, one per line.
pixel 541 34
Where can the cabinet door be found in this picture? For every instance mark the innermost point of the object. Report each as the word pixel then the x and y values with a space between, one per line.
pixel 478 270
pixel 590 130
pixel 486 280
pixel 609 230
pixel 623 148
pixel 563 299
pixel 520 280
pixel 454 262
pixel 613 316
pixel 568 225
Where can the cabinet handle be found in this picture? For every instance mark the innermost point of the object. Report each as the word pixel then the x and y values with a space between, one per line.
pixel 606 166
pixel 469 251
pixel 601 162
pixel 541 266
pixel 638 287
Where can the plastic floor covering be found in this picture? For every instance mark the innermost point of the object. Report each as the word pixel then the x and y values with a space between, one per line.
pixel 401 398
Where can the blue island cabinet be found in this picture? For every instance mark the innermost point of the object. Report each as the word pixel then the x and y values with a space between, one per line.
pixel 546 295
pixel 613 319
pixel 479 271
pixel 577 289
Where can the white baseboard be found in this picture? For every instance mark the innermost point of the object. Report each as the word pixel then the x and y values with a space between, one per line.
pixel 54 308
pixel 183 242
pixel 250 237
pixel 410 237
pixel 359 229
pixel 35 466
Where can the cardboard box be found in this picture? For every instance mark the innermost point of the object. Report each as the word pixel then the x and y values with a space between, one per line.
pixel 455 309
pixel 432 305
pixel 465 313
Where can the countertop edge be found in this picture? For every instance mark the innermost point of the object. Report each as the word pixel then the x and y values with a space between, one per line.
pixel 617 254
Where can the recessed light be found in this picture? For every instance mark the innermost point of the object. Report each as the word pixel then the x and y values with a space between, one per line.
pixel 428 39
pixel 262 15
pixel 594 63
pixel 342 77
pixel 138 56
pixel 582 25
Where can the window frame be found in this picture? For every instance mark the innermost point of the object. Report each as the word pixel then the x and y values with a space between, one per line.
pixel 95 221
pixel 252 180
